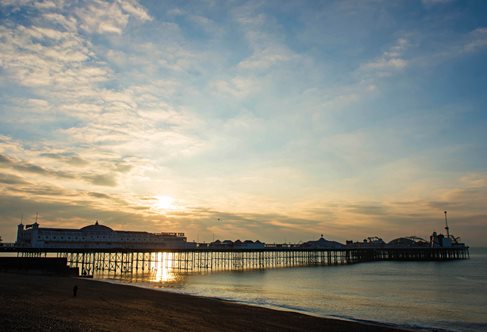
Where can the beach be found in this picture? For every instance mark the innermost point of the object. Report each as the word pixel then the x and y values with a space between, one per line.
pixel 46 303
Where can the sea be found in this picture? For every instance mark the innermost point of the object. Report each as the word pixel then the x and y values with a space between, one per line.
pixel 430 296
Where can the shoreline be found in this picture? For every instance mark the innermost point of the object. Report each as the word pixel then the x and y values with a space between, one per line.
pixel 277 308
pixel 42 303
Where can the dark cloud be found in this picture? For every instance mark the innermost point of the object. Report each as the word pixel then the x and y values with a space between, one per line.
pixel 444 205
pixel 68 158
pixel 76 161
pixel 25 167
pixel 115 201
pixel 52 155
pixel 140 207
pixel 147 198
pixel 108 180
pixel 5 160
pixel 367 209
pixel 324 212
pixel 12 179
pixel 31 169
pixel 469 195
pixel 99 195
pixel 42 190
pixel 123 168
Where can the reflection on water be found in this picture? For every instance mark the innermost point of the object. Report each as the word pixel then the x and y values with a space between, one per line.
pixel 153 270
pixel 447 295
pixel 163 268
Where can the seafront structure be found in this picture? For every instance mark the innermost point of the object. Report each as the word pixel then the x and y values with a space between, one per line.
pixel 97 236
pixel 97 249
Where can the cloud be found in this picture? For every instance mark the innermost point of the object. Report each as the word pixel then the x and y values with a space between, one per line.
pixel 264 38
pixel 12 179
pixel 477 39
pixel 109 17
pixel 451 47
pixel 366 80
pixel 430 3
pixel 55 59
pixel 68 158
pixel 108 180
pixel 391 60
pixel 67 23
pixel 366 209
pixel 52 52
pixel 136 10
pixel 47 4
pixel 266 57
pixel 5 160
pixel 99 195
pixel 176 12
pixel 208 25
pixel 23 167
pixel 75 168
pixel 30 168
pixel 33 62
pixel 238 86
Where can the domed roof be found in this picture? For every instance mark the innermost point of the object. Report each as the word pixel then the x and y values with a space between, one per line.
pixel 96 228
pixel 409 241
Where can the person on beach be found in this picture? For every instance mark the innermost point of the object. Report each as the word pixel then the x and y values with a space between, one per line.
pixel 75 290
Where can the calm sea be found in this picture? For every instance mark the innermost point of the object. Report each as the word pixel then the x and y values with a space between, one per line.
pixel 430 295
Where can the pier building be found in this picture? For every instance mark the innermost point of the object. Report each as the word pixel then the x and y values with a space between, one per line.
pixel 322 243
pixel 97 236
pixel 247 244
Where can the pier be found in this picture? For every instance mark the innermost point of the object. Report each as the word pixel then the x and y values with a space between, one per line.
pixel 98 249
pixel 129 261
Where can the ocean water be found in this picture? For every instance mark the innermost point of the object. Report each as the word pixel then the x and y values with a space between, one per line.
pixel 427 295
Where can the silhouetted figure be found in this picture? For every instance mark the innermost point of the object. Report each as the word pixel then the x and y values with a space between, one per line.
pixel 75 290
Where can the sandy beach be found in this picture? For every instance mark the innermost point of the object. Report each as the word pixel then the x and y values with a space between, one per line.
pixel 46 303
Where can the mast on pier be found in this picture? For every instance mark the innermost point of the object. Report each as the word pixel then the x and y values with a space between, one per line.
pixel 446 227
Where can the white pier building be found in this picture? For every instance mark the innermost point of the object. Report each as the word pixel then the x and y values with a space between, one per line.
pixel 97 237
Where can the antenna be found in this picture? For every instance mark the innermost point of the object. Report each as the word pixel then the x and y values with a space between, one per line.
pixel 446 227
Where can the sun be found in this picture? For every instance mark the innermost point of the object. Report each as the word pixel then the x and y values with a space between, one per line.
pixel 164 202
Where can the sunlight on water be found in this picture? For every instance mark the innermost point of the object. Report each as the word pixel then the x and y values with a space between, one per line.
pixel 445 295
pixel 163 268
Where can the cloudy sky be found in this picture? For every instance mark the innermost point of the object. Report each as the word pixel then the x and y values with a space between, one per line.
pixel 270 120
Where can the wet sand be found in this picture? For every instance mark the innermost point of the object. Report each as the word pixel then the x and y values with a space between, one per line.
pixel 46 303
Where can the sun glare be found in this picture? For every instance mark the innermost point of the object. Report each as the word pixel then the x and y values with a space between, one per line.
pixel 164 202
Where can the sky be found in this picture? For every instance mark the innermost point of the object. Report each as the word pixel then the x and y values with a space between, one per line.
pixel 270 120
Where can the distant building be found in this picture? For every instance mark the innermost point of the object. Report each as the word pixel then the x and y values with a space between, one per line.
pixel 227 244
pixel 445 241
pixel 322 243
pixel 97 237
pixel 370 242
pixel 249 244
pixel 408 241
pixel 440 241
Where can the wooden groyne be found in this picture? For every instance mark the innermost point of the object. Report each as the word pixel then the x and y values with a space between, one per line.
pixel 37 265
